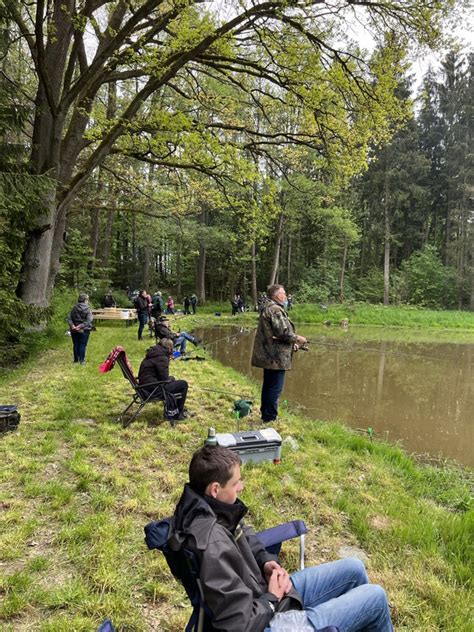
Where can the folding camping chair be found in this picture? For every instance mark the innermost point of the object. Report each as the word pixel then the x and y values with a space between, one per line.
pixel 185 566
pixel 140 396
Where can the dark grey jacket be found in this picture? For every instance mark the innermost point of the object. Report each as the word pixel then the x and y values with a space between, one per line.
pixel 273 346
pixel 232 560
pixel 81 316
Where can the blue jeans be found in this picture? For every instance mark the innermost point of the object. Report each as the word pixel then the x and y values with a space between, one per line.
pixel 339 594
pixel 272 386
pixel 79 344
pixel 180 341
pixel 142 321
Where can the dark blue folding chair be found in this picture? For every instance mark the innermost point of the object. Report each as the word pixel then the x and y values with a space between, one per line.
pixel 184 564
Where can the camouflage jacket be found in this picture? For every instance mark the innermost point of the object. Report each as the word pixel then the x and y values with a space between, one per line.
pixel 273 346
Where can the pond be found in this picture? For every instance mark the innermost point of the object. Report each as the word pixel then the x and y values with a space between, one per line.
pixel 415 392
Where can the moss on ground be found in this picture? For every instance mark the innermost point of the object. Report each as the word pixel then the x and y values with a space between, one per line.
pixel 76 490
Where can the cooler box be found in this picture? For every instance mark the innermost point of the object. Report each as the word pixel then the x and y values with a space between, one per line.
pixel 253 445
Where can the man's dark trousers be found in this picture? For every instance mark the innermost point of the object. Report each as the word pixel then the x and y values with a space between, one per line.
pixel 273 380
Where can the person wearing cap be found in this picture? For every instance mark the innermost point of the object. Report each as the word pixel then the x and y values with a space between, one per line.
pixel 142 307
pixel 156 304
pixel 274 345
pixel 162 330
pixel 80 326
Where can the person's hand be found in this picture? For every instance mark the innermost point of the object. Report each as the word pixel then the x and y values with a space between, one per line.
pixel 279 583
pixel 301 340
pixel 269 567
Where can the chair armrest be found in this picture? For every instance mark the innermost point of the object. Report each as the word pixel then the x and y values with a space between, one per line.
pixel 285 531
pixel 152 384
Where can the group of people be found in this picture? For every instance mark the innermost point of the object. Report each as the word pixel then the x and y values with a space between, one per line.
pixel 153 306
pixel 242 584
pixel 237 304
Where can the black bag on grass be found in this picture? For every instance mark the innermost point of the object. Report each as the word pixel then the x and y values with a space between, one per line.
pixel 9 418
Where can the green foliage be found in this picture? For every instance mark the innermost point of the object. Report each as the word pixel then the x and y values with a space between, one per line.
pixel 423 280
pixel 370 286
pixel 322 285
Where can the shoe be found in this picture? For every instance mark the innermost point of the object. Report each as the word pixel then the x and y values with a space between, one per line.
pixel 82 362
pixel 197 341
pixel 183 415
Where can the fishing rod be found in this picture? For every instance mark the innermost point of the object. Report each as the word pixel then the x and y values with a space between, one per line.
pixel 215 390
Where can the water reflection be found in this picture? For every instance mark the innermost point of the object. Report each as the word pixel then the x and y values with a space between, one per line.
pixel 420 394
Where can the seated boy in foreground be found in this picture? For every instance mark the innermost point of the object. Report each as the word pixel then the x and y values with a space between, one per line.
pixel 243 584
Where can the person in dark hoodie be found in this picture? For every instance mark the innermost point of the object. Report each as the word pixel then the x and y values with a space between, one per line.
pixel 142 306
pixel 80 326
pixel 155 368
pixel 274 345
pixel 243 585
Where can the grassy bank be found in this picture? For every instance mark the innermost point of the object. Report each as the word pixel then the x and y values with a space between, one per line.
pixel 364 314
pixel 76 490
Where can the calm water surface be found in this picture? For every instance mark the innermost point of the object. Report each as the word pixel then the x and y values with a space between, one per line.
pixel 418 394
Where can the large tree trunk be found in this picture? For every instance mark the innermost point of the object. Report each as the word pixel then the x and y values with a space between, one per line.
pixel 33 286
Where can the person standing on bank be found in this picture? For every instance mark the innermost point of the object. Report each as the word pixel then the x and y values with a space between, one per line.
pixel 142 307
pixel 194 302
pixel 275 343
pixel 80 326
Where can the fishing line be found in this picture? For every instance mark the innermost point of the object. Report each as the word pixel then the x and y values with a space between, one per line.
pixel 353 349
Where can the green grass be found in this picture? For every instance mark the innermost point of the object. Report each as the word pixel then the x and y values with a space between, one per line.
pixel 76 490
pixel 365 314
pixel 362 314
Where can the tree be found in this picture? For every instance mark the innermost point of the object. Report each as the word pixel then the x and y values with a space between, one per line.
pixel 158 45
pixel 19 192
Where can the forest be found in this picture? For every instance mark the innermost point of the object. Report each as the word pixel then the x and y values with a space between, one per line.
pixel 199 147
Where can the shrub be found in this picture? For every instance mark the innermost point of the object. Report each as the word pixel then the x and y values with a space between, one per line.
pixel 370 286
pixel 425 281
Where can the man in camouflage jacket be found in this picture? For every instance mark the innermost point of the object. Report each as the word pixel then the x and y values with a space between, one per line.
pixel 275 343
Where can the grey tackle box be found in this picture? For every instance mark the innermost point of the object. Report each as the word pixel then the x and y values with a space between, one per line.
pixel 253 445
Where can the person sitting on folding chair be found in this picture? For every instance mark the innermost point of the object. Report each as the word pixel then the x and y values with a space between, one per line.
pixel 243 584
pixel 162 330
pixel 155 368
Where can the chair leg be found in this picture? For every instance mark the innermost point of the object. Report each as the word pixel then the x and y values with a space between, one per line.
pixel 124 412
pixel 127 422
